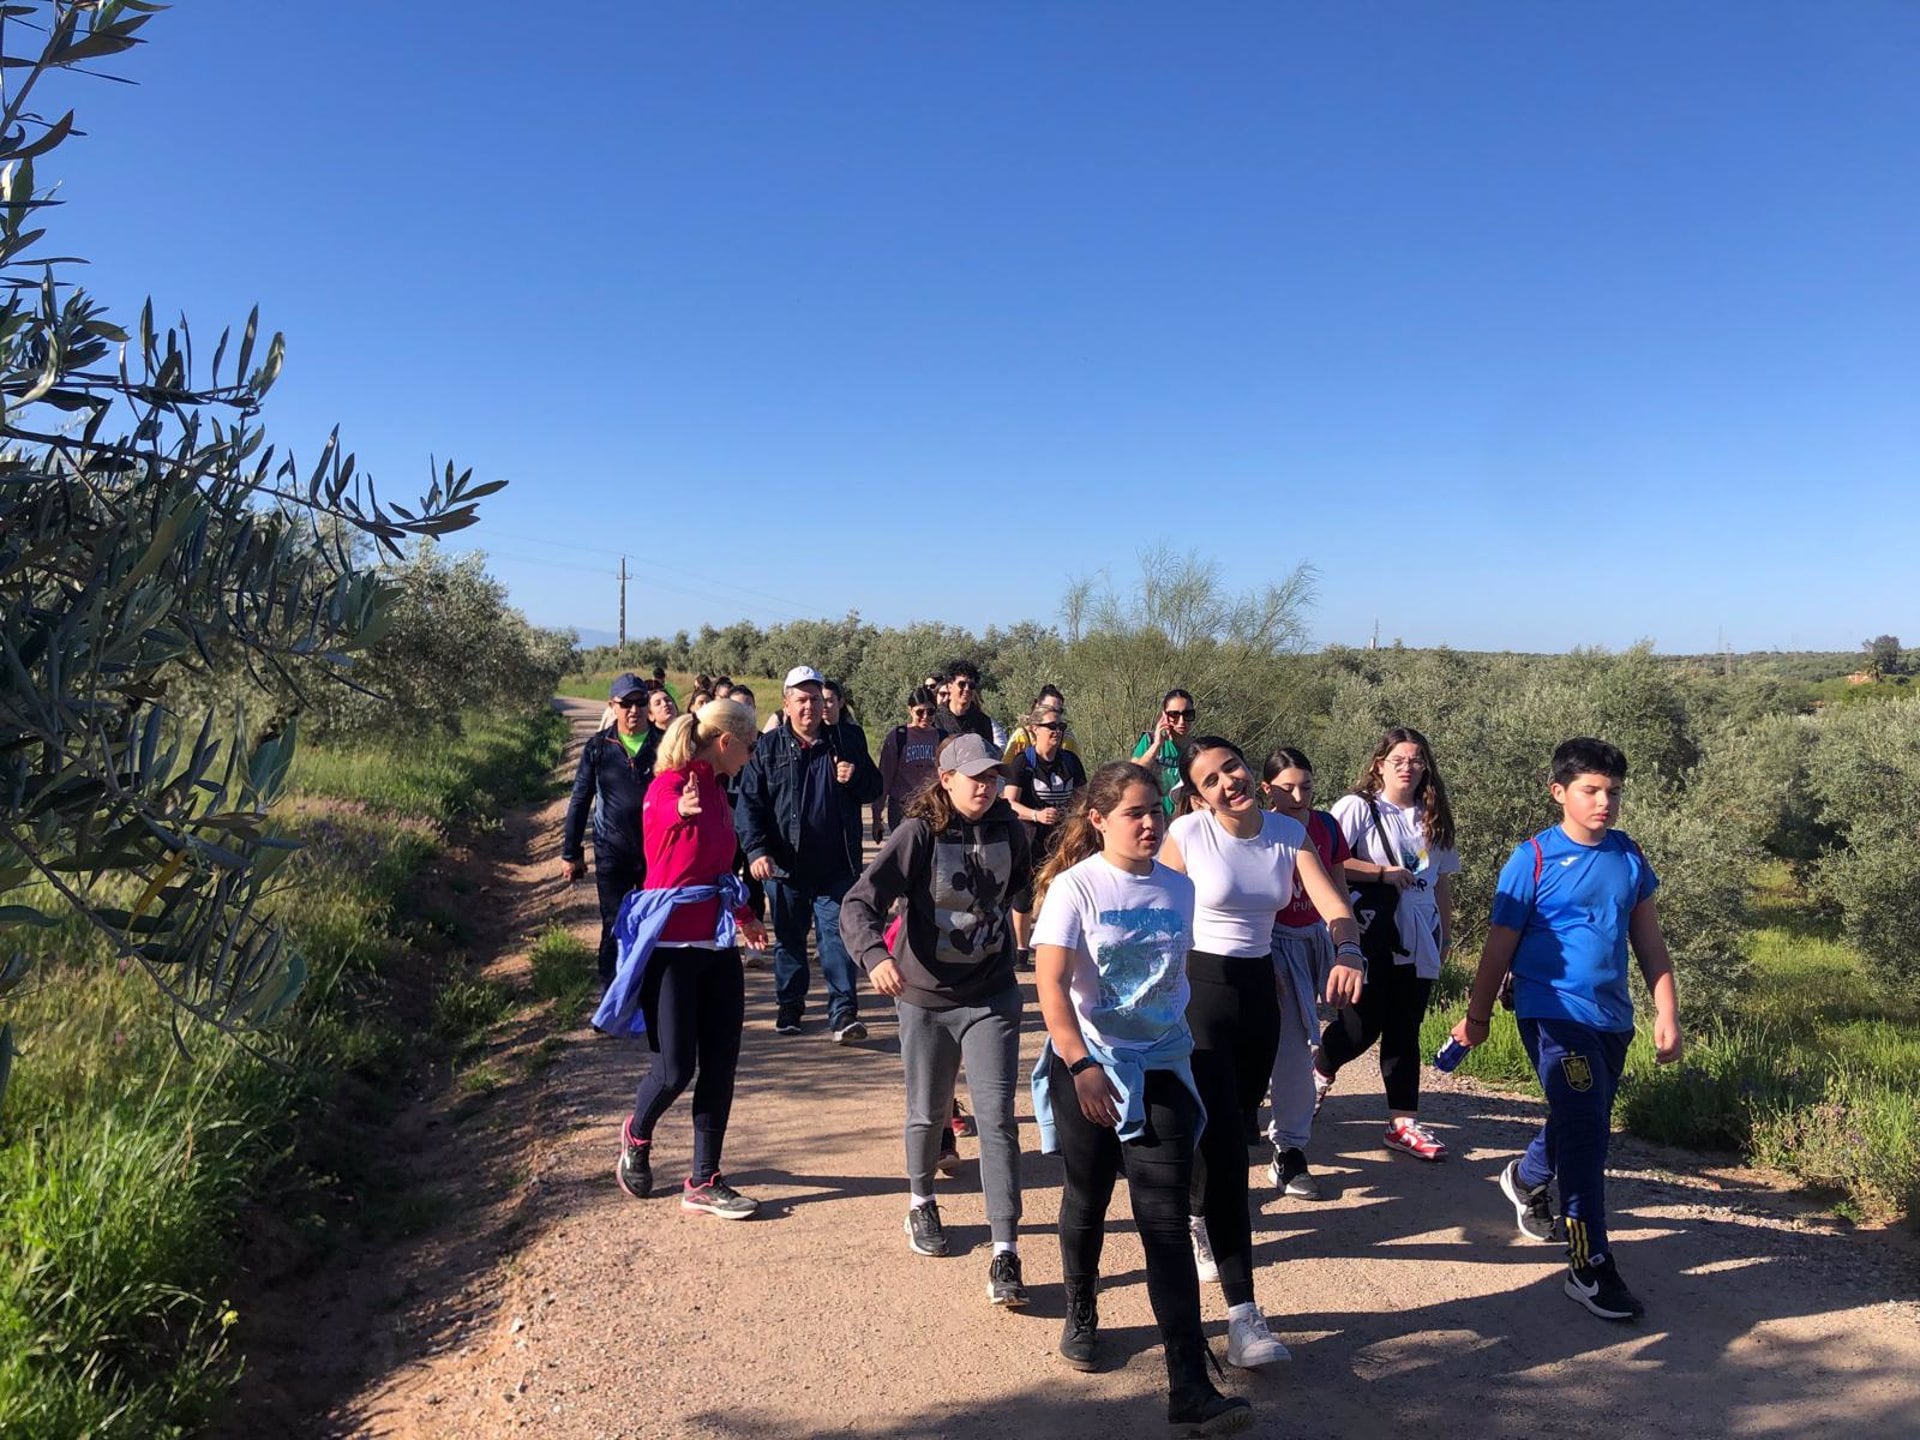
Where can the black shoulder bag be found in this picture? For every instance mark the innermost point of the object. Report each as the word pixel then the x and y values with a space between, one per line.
pixel 1376 905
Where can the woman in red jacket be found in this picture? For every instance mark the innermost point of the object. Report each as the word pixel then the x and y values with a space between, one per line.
pixel 693 993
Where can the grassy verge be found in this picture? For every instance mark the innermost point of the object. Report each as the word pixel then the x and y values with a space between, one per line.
pixel 1814 1073
pixel 126 1164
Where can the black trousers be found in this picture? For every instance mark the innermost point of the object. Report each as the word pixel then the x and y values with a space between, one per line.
pixel 615 880
pixel 1234 1014
pixel 1390 1010
pixel 702 1005
pixel 1159 1168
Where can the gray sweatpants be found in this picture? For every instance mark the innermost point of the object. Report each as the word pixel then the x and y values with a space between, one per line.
pixel 1301 958
pixel 932 1045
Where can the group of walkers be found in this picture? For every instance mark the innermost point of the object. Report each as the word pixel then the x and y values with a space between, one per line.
pixel 1181 966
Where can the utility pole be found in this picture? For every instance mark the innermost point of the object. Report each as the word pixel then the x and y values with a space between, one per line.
pixel 623 599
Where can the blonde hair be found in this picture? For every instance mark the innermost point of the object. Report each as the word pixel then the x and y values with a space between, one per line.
pixel 687 733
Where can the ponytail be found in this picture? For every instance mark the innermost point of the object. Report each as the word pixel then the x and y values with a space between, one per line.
pixel 1078 837
pixel 689 733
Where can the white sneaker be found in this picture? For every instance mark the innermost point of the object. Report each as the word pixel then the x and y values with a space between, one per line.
pixel 1203 1260
pixel 1250 1343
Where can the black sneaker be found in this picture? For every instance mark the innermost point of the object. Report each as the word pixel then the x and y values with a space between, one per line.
pixel 851 1033
pixel 716 1197
pixel 635 1170
pixel 948 1162
pixel 1208 1413
pixel 1003 1281
pixel 787 1023
pixel 1289 1174
pixel 1532 1209
pixel 1080 1333
pixel 1598 1287
pixel 925 1234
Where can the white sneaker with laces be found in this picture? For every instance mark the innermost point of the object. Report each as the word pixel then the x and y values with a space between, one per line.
pixel 1203 1260
pixel 1251 1344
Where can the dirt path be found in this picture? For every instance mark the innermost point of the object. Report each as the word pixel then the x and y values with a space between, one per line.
pixel 556 1306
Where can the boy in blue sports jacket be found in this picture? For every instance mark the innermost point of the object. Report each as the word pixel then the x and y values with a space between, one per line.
pixel 1569 904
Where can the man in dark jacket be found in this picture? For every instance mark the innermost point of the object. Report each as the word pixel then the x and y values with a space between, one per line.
pixel 797 808
pixel 615 766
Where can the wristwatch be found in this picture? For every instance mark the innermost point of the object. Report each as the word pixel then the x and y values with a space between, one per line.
pixel 1085 1062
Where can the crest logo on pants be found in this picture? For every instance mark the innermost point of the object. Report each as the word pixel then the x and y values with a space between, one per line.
pixel 1578 1070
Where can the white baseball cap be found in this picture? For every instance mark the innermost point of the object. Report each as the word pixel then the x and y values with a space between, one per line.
pixel 802 675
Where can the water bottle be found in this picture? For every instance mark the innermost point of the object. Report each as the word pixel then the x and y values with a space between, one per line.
pixel 1451 1054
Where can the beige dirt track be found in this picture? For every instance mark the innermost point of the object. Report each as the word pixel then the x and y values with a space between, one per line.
pixel 551 1304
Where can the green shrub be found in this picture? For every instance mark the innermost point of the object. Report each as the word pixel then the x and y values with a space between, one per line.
pixel 564 970
pixel 1863 772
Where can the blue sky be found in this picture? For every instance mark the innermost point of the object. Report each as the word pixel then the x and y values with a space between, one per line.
pixel 1529 325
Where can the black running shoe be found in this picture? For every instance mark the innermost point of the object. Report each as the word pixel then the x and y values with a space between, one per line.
pixel 948 1162
pixel 635 1170
pixel 1532 1208
pixel 1003 1281
pixel 1599 1287
pixel 925 1234
pixel 787 1022
pixel 716 1197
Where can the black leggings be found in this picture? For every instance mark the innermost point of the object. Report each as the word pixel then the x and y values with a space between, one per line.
pixel 1391 1007
pixel 702 1004
pixel 1234 1014
pixel 1159 1166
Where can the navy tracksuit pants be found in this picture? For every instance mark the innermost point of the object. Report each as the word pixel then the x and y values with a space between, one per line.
pixel 1579 1069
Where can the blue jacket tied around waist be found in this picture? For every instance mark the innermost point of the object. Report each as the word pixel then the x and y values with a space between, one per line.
pixel 1127 1069
pixel 643 915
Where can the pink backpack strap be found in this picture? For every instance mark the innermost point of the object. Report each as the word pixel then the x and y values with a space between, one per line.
pixel 1539 860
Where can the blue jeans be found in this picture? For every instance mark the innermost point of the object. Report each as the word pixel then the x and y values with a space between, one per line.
pixel 797 906
pixel 1579 1068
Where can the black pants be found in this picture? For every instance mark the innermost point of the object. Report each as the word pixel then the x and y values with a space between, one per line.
pixel 1159 1166
pixel 615 879
pixel 1234 1014
pixel 702 1004
pixel 1390 1010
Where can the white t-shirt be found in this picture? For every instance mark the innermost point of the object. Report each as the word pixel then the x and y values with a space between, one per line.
pixel 1129 935
pixel 1418 913
pixel 1238 885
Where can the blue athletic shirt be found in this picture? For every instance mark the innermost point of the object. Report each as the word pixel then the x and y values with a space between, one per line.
pixel 1572 960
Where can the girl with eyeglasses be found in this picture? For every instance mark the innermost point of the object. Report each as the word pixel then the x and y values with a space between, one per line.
pixel 906 759
pixel 1399 827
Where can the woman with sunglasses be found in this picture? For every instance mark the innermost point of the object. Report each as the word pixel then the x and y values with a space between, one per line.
pixel 1042 779
pixel 906 759
pixel 1163 748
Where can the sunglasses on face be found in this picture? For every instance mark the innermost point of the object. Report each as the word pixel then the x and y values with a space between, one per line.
pixel 921 710
pixel 963 684
pixel 632 702
pixel 1049 725
pixel 1178 714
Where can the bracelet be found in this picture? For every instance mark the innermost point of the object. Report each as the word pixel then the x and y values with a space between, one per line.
pixel 1348 947
pixel 1085 1062
pixel 1472 1020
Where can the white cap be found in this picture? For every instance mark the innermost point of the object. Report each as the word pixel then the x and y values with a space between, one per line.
pixel 802 675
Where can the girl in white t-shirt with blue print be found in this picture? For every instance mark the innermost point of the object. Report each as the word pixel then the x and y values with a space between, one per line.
pixel 1399 827
pixel 1113 1089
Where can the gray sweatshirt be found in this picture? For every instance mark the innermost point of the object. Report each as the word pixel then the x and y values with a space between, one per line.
pixel 956 947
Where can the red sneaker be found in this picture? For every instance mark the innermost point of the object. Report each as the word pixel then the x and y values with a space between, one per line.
pixel 962 1123
pixel 1414 1138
